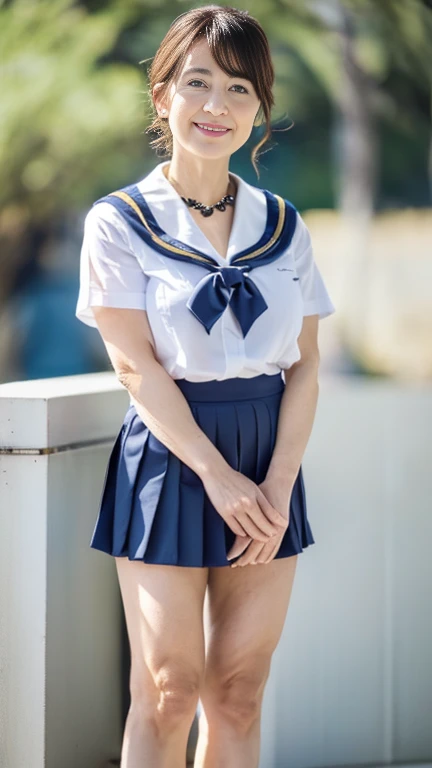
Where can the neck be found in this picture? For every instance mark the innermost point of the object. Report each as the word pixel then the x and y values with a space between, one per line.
pixel 204 181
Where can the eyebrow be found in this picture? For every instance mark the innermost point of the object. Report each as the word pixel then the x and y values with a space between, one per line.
pixel 203 71
pixel 197 69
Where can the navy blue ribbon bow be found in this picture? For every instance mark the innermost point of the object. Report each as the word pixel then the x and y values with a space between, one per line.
pixel 227 285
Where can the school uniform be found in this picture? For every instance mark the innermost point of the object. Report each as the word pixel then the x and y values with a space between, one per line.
pixel 224 330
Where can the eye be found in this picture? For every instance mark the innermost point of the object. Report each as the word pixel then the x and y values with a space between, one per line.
pixel 233 86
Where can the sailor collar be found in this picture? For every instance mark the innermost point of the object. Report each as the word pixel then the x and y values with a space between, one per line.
pixel 222 285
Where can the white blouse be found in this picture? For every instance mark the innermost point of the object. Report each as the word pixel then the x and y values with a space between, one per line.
pixel 119 269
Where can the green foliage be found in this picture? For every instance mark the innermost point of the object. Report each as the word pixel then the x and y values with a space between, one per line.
pixel 63 112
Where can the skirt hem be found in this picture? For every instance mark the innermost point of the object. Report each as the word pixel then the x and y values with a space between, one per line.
pixel 195 565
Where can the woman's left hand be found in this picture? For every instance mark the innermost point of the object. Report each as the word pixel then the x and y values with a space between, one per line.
pixel 258 552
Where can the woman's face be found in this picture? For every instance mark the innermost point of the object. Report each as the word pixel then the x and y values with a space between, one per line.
pixel 209 97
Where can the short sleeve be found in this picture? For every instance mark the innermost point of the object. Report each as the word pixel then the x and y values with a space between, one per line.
pixel 316 298
pixel 110 274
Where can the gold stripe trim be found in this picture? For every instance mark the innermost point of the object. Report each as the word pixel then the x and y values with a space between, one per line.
pixel 253 255
pixel 274 237
pixel 124 196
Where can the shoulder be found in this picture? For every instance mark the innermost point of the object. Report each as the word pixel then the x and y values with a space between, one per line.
pixel 301 235
pixel 105 234
pixel 264 198
pixel 301 239
pixel 262 193
pixel 150 196
pixel 104 220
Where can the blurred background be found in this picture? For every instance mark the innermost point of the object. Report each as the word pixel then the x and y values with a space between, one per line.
pixel 352 149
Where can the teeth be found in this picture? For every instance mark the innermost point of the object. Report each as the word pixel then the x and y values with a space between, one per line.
pixel 206 128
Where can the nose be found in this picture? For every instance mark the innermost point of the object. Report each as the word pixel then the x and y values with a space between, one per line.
pixel 216 103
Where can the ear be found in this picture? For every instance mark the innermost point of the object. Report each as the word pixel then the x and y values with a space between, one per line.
pixel 159 101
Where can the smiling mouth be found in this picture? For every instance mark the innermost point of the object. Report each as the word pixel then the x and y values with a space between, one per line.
pixel 212 131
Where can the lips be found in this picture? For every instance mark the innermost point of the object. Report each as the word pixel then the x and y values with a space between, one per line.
pixel 214 125
pixel 219 132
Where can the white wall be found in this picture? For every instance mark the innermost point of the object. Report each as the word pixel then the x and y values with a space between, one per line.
pixel 351 679
pixel 60 671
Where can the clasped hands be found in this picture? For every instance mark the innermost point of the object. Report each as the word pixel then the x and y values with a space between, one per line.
pixel 258 552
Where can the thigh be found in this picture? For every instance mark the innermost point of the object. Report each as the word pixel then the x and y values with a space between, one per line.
pixel 245 613
pixel 163 607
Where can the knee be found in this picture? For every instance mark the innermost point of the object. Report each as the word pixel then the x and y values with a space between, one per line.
pixel 237 695
pixel 173 696
pixel 177 691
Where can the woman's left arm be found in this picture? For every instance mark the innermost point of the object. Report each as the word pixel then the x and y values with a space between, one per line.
pixel 297 409
pixel 295 421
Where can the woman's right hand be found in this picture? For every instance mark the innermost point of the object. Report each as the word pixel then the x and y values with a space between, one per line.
pixel 242 504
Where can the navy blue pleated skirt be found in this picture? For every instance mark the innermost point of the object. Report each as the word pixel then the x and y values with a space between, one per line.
pixel 154 508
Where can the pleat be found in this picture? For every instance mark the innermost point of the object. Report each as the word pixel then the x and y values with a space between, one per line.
pixel 263 440
pixel 307 535
pixel 106 526
pixel 154 508
pixel 133 449
pixel 294 532
pixel 163 542
pixel 226 420
pixel 299 534
pixel 191 517
pixel 213 531
pixel 273 417
pixel 246 438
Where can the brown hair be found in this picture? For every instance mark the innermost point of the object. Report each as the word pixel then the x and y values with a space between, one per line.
pixel 238 44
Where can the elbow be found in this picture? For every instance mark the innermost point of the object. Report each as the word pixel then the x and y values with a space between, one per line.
pixel 126 377
pixel 132 381
pixel 131 369
pixel 131 377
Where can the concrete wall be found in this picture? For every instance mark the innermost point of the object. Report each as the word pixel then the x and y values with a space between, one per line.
pixel 351 680
pixel 60 670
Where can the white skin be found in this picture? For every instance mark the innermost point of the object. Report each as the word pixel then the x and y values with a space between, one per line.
pixel 177 657
pixel 201 161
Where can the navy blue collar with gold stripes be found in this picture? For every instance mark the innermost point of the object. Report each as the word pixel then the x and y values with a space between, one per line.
pixel 225 284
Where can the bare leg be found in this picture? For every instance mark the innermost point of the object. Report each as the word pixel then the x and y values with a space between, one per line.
pixel 163 609
pixel 245 614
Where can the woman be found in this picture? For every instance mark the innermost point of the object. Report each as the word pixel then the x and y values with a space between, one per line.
pixel 204 289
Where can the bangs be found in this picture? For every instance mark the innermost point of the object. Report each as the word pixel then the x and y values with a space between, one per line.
pixel 232 48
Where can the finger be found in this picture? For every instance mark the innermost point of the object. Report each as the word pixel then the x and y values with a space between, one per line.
pixel 264 528
pixel 237 527
pixel 251 527
pixel 240 544
pixel 273 553
pixel 271 549
pixel 267 551
pixel 250 555
pixel 272 557
pixel 270 512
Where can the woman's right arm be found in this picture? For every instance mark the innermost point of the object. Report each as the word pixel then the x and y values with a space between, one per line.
pixel 162 406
